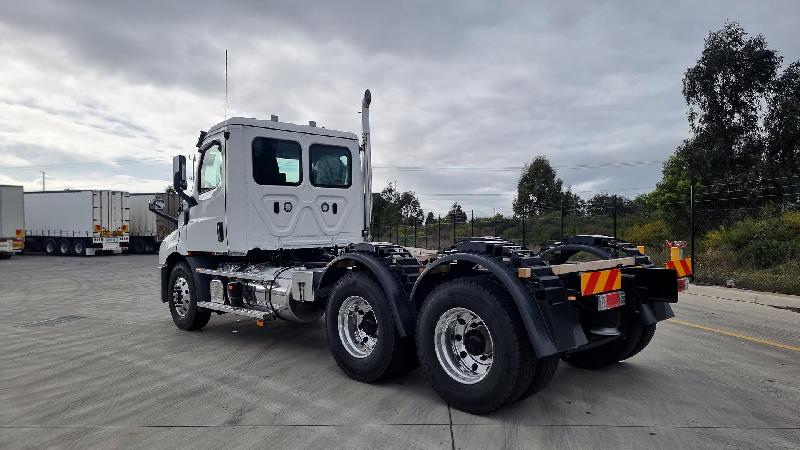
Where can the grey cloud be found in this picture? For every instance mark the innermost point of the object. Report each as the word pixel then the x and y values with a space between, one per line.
pixel 462 83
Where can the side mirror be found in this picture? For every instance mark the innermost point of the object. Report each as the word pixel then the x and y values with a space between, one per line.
pixel 179 173
pixel 156 205
pixel 179 179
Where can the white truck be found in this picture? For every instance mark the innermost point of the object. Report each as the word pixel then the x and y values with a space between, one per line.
pixel 277 227
pixel 80 222
pixel 12 220
pixel 147 230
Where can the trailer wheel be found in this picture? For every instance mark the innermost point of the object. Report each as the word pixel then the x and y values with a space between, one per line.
pixel 6 255
pixel 473 346
pixel 361 331
pixel 64 247
pixel 183 300
pixel 612 352
pixel 50 247
pixel 78 247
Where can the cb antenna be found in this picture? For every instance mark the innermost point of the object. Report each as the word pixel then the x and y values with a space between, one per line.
pixel 226 85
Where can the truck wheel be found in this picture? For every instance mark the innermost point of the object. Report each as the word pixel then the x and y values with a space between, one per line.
pixel 361 331
pixel 183 300
pixel 78 247
pixel 473 346
pixel 64 247
pixel 612 352
pixel 544 372
pixel 50 247
pixel 647 336
pixel 6 255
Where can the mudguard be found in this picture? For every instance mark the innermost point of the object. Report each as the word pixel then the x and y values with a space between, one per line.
pixel 552 326
pixel 395 294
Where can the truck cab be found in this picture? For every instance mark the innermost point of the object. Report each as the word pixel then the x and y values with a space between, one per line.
pixel 267 185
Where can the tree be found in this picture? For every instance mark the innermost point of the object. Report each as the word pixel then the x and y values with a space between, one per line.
pixel 538 188
pixel 782 126
pixel 391 206
pixel 455 210
pixel 724 91
pixel 603 205
pixel 429 219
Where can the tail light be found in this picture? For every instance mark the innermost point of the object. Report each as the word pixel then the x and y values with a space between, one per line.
pixel 20 234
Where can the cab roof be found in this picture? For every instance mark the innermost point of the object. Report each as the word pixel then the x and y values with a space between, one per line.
pixel 283 126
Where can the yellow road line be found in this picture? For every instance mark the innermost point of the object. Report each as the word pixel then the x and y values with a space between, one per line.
pixel 736 335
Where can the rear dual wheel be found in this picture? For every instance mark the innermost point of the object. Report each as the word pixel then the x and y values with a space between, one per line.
pixel 361 332
pixel 635 337
pixel 474 348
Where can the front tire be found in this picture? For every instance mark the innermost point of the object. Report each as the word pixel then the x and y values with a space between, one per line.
pixel 473 346
pixel 183 300
pixel 361 332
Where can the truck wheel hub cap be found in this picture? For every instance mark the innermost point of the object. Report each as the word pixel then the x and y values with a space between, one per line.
pixel 180 296
pixel 358 327
pixel 463 345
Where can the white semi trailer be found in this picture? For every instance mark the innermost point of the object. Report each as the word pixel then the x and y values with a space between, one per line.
pixel 277 227
pixel 77 223
pixel 147 230
pixel 12 220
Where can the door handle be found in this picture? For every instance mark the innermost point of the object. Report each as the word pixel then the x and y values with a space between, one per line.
pixel 220 232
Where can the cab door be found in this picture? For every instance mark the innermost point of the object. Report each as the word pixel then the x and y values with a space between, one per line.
pixel 206 229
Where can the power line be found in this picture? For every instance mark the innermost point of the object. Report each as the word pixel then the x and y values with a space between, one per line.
pixel 515 168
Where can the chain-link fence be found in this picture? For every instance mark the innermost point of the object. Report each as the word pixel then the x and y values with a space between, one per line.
pixel 731 242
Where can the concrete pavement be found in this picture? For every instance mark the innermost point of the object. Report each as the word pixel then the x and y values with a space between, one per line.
pixel 89 358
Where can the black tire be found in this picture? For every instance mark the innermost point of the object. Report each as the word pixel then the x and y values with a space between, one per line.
pixel 544 372
pixel 644 339
pixel 513 366
pixel 6 255
pixel 79 247
pixel 390 355
pixel 194 318
pixel 51 247
pixel 612 352
pixel 64 247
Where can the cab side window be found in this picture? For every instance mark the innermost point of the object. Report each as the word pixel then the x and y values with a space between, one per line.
pixel 276 162
pixel 210 169
pixel 331 166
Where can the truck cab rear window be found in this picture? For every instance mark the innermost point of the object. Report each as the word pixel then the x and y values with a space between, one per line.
pixel 331 166
pixel 276 162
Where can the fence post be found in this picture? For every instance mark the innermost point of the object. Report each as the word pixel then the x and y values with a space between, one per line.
pixel 614 199
pixel 415 232
pixel 472 223
pixel 454 228
pixel 426 235
pixel 562 218
pixel 523 227
pixel 494 219
pixel 439 232
pixel 691 228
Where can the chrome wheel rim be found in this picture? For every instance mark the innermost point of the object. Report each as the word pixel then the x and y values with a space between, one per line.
pixel 181 296
pixel 64 247
pixel 463 345
pixel 50 247
pixel 358 327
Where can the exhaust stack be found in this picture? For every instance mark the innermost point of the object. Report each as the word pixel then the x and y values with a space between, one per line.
pixel 366 145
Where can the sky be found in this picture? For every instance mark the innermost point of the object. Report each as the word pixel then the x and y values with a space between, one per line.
pixel 101 95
